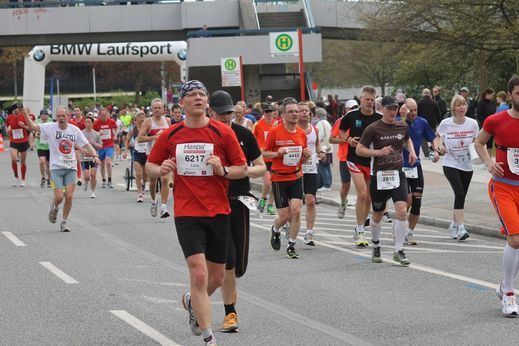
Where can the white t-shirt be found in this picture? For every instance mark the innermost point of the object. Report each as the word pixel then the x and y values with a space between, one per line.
pixel 457 140
pixel 61 144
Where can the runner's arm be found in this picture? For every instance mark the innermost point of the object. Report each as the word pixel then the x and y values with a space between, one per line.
pixel 480 144
pixel 30 124
pixel 363 150
pixel 143 137
pixel 257 169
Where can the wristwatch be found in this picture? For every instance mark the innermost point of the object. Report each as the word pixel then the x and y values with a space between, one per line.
pixel 225 171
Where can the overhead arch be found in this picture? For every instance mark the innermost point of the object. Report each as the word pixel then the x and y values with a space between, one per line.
pixel 40 56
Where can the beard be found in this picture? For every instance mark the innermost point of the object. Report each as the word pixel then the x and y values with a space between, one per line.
pixel 515 105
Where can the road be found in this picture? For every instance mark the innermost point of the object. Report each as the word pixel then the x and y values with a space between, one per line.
pixel 118 277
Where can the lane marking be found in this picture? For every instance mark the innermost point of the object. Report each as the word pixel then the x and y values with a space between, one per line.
pixel 143 328
pixel 13 239
pixel 414 249
pixel 58 272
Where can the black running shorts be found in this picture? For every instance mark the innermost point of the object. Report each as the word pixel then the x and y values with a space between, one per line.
pixel 21 147
pixel 310 184
pixel 284 191
pixel 416 184
pixel 379 197
pixel 238 246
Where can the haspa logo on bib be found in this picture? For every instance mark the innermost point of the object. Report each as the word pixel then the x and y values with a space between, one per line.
pixel 66 147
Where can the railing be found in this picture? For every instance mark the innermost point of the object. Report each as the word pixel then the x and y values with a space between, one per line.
pixel 307 8
pixel 246 32
pixel 256 14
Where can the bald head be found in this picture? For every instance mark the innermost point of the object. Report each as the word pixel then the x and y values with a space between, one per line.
pixel 411 107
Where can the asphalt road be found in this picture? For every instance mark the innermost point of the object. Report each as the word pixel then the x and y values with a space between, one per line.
pixel 118 277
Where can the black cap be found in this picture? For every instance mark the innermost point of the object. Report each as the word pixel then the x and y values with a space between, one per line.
pixel 13 107
pixel 267 107
pixel 388 101
pixel 44 112
pixel 221 102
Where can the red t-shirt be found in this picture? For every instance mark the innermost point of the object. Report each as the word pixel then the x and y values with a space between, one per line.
pixel 288 166
pixel 18 134
pixel 261 130
pixel 342 152
pixel 80 124
pixel 505 130
pixel 106 131
pixel 202 195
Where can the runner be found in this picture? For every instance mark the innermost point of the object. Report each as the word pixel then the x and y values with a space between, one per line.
pixel 79 120
pixel 138 152
pixel 286 144
pixel 42 148
pixel 310 170
pixel 201 152
pixel 342 156
pixel 150 130
pixel 457 134
pixel 88 164
pixel 240 119
pixel 261 130
pixel 503 188
pixel 355 122
pixel 18 142
pixel 62 138
pixel 419 130
pixel 383 141
pixel 107 129
pixel 238 245
pixel 176 114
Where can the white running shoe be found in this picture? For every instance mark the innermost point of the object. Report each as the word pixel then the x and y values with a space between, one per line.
pixel 462 233
pixel 324 189
pixel 153 208
pixel 341 211
pixel 93 195
pixel 85 186
pixel 22 183
pixel 309 239
pixel 453 229
pixel 509 304
pixel 164 212
pixel 16 182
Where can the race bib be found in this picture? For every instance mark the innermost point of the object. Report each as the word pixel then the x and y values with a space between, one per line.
pixel 140 147
pixel 67 160
pixel 293 155
pixel 249 202
pixel 411 172
pixel 105 134
pixel 17 134
pixel 309 166
pixel 388 180
pixel 192 159
pixel 512 155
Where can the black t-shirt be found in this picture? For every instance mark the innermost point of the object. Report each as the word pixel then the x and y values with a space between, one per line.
pixel 251 150
pixel 357 122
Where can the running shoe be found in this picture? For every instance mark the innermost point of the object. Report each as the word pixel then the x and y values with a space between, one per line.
pixel 453 229
pixel 261 205
pixel 386 218
pixel 163 212
pixel 376 256
pixel 360 239
pixel 192 322
pixel 93 195
pixel 499 291
pixel 230 323
pixel 63 227
pixel 271 210
pixel 103 184
pixel 462 233
pixel 291 251
pixel 109 185
pixel 16 182
pixel 79 183
pixel 309 239
pixel 509 304
pixel 341 211
pixel 153 209
pixel 140 198
pixel 324 189
pixel 22 183
pixel 42 183
pixel 410 239
pixel 401 258
pixel 85 186
pixel 53 213
pixel 275 240
pixel 211 342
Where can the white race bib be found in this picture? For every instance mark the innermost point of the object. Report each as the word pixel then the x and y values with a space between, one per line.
pixel 17 134
pixel 388 180
pixel 410 172
pixel 192 159
pixel 105 134
pixel 67 160
pixel 140 147
pixel 512 155
pixel 309 166
pixel 293 155
pixel 248 201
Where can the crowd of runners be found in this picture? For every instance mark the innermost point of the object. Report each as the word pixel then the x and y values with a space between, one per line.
pixel 207 140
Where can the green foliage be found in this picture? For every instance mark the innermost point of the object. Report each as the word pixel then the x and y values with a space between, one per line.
pixel 148 97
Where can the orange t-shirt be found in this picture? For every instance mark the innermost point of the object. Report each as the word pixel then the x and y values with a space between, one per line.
pixel 342 153
pixel 288 166
pixel 261 130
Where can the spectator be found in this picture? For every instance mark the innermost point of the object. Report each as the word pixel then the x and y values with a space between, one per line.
pixel 430 111
pixel 471 103
pixel 204 32
pixel 501 101
pixel 324 129
pixel 486 107
pixel 436 91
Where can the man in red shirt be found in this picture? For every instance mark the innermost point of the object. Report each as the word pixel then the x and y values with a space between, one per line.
pixel 79 120
pixel 19 141
pixel 202 153
pixel 107 129
pixel 286 144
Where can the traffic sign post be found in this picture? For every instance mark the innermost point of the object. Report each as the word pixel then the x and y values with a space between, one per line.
pixel 284 43
pixel 231 72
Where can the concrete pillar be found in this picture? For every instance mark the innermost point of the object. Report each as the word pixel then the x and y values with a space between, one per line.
pixel 252 84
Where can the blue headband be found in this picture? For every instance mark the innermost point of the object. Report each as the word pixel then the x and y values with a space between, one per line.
pixel 191 85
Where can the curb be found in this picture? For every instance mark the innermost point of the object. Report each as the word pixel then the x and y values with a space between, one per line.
pixel 425 220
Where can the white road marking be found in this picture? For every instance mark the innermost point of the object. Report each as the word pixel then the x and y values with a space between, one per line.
pixel 411 249
pixel 59 273
pixel 13 239
pixel 143 328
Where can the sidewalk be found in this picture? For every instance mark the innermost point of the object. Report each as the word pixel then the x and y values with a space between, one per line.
pixel 437 201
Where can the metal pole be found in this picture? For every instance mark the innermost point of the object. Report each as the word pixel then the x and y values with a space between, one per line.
pixel 15 81
pixel 301 65
pixel 242 82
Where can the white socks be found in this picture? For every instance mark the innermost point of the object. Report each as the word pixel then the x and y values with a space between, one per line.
pixel 510 267
pixel 400 230
pixel 375 232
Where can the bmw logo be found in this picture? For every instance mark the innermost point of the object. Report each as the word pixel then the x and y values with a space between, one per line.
pixel 39 55
pixel 182 54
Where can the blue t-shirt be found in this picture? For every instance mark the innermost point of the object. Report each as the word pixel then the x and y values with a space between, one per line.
pixel 503 107
pixel 418 130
